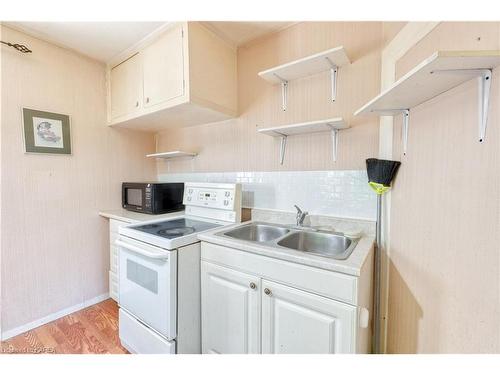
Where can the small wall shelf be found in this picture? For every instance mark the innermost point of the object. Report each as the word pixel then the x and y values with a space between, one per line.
pixel 171 155
pixel 330 59
pixel 440 72
pixel 332 125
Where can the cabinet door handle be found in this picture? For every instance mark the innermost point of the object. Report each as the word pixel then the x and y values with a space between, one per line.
pixel 253 286
pixel 137 104
pixel 147 100
pixel 268 291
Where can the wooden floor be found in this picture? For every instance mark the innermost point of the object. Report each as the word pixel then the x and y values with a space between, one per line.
pixel 93 330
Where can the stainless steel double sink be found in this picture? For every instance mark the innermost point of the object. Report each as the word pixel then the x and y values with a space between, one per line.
pixel 322 243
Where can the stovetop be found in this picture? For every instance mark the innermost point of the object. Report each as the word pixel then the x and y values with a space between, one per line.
pixel 175 228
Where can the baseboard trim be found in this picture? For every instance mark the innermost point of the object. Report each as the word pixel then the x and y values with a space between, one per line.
pixel 49 318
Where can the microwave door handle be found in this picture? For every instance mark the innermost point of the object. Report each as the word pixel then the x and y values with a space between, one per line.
pixel 141 251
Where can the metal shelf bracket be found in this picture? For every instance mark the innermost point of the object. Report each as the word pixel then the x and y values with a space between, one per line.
pixel 406 120
pixel 335 143
pixel 282 148
pixel 333 78
pixel 484 88
pixel 405 125
pixel 484 82
pixel 284 91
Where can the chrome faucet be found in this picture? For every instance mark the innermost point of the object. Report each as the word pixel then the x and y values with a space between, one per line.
pixel 300 215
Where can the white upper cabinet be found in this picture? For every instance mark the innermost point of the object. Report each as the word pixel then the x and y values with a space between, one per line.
pixel 184 76
pixel 126 87
pixel 163 65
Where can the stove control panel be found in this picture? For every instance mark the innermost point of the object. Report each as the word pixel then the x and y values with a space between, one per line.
pixel 213 200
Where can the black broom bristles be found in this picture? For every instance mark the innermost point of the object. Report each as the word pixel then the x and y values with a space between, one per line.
pixel 382 171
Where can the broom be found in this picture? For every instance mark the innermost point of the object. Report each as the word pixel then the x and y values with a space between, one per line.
pixel 380 175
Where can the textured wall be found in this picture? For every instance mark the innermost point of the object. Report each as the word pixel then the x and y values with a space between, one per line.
pixel 444 293
pixel 54 248
pixel 236 146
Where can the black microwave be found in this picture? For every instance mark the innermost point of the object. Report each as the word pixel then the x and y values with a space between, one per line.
pixel 152 197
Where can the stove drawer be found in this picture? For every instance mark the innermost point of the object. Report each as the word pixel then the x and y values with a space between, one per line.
pixel 137 338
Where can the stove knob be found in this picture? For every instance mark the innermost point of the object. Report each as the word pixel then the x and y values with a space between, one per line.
pixel 226 203
pixel 189 199
pixel 227 193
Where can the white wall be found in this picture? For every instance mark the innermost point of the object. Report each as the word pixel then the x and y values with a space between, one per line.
pixel 444 289
pixel 54 247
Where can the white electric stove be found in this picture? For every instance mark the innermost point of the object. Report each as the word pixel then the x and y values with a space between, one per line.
pixel 159 282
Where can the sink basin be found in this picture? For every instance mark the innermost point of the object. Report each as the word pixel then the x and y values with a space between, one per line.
pixel 257 233
pixel 323 244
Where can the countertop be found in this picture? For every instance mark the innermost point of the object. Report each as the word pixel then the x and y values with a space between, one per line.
pixel 135 217
pixel 350 266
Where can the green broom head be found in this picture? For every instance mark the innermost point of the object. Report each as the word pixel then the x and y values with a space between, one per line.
pixel 381 173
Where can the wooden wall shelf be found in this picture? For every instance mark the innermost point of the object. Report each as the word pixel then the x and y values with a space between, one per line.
pixel 332 125
pixel 171 155
pixel 437 74
pixel 330 59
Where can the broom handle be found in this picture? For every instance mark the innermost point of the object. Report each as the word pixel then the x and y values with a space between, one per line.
pixel 376 305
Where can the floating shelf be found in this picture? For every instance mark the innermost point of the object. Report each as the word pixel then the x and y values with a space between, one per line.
pixel 171 155
pixel 330 59
pixel 332 125
pixel 439 73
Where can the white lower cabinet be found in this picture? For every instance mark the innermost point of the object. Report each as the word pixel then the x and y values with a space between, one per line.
pixel 298 322
pixel 256 304
pixel 230 311
pixel 113 258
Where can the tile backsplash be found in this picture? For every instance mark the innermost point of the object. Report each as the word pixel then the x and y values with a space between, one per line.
pixel 333 193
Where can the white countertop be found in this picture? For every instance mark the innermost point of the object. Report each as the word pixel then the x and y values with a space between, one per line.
pixel 350 266
pixel 135 217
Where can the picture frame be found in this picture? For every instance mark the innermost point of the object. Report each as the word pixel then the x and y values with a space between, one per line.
pixel 46 132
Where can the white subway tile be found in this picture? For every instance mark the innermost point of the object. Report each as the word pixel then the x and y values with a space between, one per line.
pixel 332 193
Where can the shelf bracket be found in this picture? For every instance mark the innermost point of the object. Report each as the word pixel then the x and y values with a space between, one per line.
pixel 282 148
pixel 484 88
pixel 484 101
pixel 333 78
pixel 284 91
pixel 406 120
pixel 335 143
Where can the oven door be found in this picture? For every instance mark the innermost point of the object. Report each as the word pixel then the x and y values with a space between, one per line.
pixel 148 285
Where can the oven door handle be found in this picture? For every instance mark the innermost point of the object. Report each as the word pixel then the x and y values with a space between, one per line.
pixel 141 251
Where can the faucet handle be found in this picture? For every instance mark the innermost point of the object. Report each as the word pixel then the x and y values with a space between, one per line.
pixel 299 211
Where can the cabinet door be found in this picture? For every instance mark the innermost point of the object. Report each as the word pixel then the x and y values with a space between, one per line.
pixel 230 310
pixel 298 322
pixel 126 87
pixel 164 68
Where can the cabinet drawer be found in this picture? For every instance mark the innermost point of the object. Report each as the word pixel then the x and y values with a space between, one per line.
pixel 115 224
pixel 113 236
pixel 113 259
pixel 335 285
pixel 113 286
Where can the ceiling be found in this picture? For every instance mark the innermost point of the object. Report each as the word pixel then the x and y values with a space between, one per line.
pixel 99 40
pixel 105 40
pixel 238 33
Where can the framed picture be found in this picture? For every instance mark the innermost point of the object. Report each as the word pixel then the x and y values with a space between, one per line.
pixel 46 132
